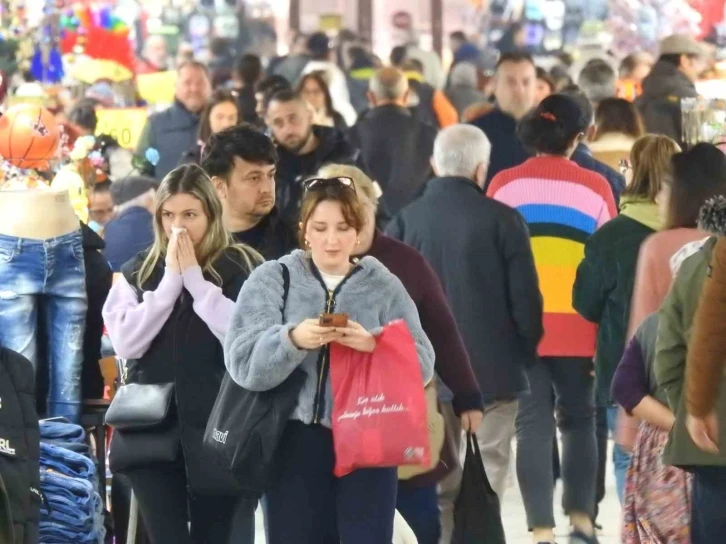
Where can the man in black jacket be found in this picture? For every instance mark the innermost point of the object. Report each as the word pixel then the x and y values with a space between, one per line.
pixel 395 145
pixel 514 90
pixel 302 148
pixel 671 79
pixel 242 163
pixel 481 251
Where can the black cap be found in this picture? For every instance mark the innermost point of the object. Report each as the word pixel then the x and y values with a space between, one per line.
pixel 319 44
pixel 127 189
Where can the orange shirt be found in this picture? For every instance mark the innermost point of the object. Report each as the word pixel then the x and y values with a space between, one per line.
pixel 629 89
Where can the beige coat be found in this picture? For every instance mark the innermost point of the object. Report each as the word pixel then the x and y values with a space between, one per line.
pixel 612 148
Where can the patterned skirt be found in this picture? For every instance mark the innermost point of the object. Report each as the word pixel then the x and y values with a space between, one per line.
pixel 657 503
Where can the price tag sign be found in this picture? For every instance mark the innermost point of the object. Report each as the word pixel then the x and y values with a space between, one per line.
pixel 157 88
pixel 124 124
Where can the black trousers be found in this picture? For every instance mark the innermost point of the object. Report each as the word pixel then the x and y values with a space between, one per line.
pixel 168 509
pixel 306 504
pixel 708 508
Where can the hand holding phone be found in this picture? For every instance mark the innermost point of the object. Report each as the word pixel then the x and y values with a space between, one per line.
pixel 333 320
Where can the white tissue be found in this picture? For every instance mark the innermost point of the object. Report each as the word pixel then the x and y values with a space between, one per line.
pixel 178 230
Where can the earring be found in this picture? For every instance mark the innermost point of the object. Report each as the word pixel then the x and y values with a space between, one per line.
pixel 357 242
pixel 307 243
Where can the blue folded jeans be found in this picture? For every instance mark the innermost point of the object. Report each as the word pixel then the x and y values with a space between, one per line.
pixel 76 509
pixel 57 533
pixel 46 276
pixel 60 430
pixel 66 462
pixel 76 490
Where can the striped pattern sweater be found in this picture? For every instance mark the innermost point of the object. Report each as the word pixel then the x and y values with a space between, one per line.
pixel 563 205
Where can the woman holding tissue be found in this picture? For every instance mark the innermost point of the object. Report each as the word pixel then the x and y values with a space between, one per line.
pixel 271 336
pixel 168 316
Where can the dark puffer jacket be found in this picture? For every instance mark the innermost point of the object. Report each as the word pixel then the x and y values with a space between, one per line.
pixel 187 353
pixel 19 445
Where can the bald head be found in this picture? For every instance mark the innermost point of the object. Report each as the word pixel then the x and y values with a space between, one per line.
pixel 388 86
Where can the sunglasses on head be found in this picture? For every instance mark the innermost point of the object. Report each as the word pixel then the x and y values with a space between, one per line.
pixel 320 184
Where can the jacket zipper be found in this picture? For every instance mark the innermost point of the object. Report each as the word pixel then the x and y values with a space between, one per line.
pixel 321 372
pixel 319 402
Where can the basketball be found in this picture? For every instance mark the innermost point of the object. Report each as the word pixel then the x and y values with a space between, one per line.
pixel 29 136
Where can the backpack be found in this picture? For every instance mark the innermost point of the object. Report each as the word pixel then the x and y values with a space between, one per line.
pixel 19 445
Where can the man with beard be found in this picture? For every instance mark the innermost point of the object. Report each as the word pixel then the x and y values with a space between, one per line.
pixel 302 147
pixel 242 164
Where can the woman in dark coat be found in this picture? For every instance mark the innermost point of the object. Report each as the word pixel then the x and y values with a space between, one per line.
pixel 168 316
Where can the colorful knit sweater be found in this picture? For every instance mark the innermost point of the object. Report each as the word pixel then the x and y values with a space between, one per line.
pixel 563 205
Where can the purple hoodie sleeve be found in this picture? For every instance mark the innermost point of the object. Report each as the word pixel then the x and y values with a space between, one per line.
pixel 210 303
pixel 630 383
pixel 133 325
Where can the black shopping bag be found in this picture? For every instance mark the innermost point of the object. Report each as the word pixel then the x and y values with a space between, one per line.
pixel 477 514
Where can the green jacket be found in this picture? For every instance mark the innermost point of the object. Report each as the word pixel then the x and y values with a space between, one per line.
pixel 603 289
pixel 674 333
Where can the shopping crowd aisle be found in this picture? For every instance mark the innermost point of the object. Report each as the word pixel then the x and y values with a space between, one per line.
pixel 373 302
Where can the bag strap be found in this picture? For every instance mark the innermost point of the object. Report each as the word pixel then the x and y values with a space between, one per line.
pixel 285 284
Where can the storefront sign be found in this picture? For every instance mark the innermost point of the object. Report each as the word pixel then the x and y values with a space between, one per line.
pixel 330 22
pixel 157 88
pixel 124 124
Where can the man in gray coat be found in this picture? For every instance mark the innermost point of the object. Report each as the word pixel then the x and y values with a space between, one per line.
pixel 172 131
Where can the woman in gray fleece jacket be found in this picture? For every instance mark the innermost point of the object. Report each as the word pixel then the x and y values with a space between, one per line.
pixel 270 337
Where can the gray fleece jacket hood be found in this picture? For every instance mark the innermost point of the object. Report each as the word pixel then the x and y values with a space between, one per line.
pixel 258 352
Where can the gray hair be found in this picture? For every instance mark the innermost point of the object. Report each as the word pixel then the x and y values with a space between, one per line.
pixel 464 74
pixel 389 84
pixel 460 149
pixel 598 80
pixel 141 201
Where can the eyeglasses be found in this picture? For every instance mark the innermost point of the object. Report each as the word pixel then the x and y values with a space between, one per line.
pixel 625 166
pixel 320 184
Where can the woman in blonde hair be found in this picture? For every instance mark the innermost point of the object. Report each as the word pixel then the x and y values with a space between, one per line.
pixel 605 279
pixel 168 315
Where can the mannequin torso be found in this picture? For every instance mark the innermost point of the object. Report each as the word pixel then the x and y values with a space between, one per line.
pixel 38 215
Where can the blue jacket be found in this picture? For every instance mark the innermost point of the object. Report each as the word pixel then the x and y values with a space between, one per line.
pixel 171 132
pixel 583 157
pixel 128 234
pixel 258 352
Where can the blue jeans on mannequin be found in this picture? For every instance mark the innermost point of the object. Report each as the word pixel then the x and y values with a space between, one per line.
pixel 48 276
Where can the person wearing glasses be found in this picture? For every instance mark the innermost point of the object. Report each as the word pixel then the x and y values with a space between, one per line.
pixel 268 339
pixel 605 281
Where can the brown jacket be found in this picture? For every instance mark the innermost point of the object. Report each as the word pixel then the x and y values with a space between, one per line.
pixel 707 350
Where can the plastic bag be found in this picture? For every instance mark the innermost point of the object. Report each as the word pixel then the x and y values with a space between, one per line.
pixel 477 514
pixel 379 405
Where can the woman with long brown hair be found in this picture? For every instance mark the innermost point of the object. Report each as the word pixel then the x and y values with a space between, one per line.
pixel 221 112
pixel 270 336
pixel 314 90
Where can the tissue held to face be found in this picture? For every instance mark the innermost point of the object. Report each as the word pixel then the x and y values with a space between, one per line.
pixel 184 212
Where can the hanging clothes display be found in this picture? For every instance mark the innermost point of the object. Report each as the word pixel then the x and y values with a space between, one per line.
pixel 42 270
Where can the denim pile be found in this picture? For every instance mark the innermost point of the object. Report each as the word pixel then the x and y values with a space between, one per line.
pixel 72 511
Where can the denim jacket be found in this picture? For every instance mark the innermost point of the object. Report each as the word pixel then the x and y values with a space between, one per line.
pixel 259 353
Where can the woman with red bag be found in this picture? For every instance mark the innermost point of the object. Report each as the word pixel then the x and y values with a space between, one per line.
pixel 268 339
pixel 418 499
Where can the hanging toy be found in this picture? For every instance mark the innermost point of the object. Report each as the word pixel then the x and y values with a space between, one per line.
pixel 29 137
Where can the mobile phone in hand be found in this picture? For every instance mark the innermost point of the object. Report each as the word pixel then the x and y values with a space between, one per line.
pixel 333 320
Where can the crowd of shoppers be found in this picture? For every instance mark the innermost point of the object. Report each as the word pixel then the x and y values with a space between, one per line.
pixel 547 258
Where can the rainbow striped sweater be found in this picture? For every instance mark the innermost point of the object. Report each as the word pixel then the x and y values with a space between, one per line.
pixel 563 204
